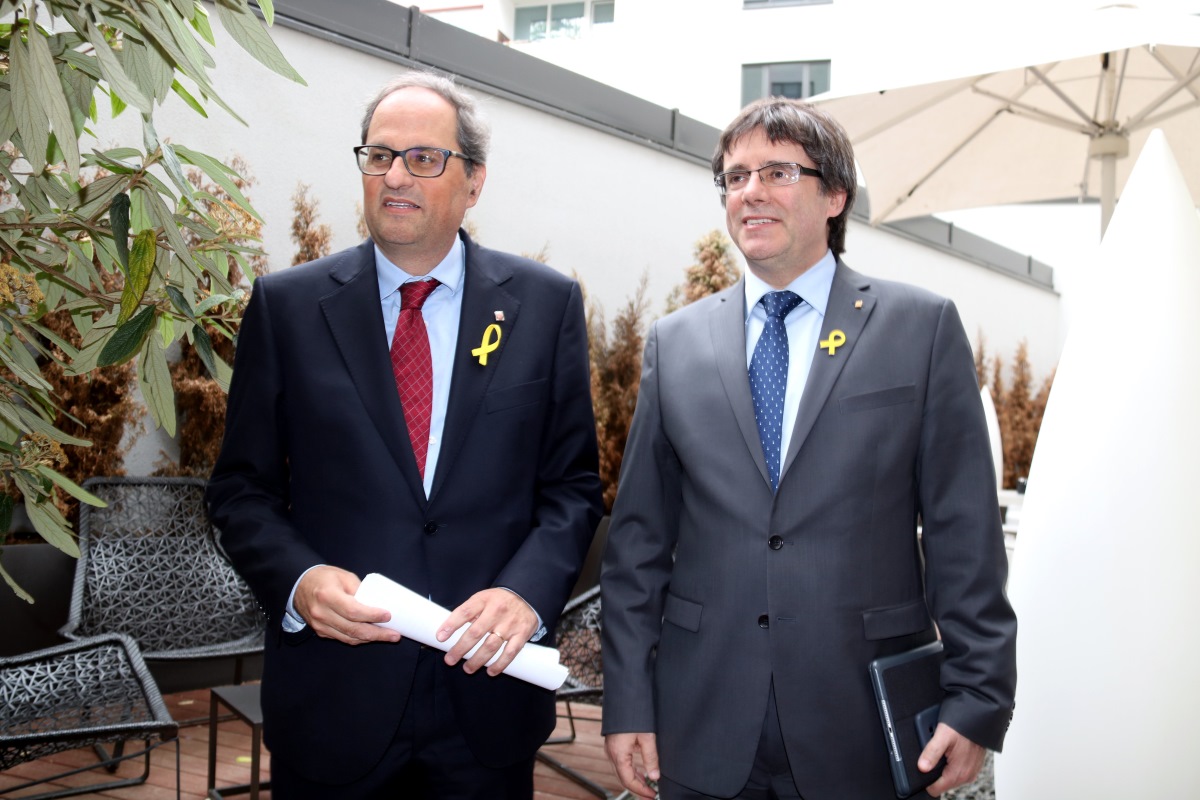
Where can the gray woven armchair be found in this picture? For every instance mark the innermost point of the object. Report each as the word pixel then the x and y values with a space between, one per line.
pixel 150 567
pixel 578 642
pixel 88 693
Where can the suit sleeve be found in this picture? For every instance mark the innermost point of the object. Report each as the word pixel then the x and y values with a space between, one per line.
pixel 567 502
pixel 966 566
pixel 248 491
pixel 638 559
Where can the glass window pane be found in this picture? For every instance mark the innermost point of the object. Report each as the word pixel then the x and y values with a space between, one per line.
pixel 603 12
pixel 530 23
pixel 752 83
pixel 566 19
pixel 818 75
pixel 792 89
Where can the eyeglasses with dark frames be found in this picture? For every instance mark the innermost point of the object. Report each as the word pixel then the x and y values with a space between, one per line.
pixel 421 162
pixel 771 175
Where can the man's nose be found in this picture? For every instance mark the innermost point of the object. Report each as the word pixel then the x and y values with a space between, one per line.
pixel 754 189
pixel 397 175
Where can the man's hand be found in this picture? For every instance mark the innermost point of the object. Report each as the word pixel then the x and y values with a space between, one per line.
pixel 497 616
pixel 964 759
pixel 621 747
pixel 325 599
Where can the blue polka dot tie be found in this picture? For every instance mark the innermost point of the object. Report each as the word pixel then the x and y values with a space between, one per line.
pixel 768 378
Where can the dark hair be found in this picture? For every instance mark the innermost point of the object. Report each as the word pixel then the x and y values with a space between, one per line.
pixel 473 133
pixel 822 137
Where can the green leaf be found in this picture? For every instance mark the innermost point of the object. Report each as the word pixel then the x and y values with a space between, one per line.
pixel 119 83
pixel 14 356
pixel 154 378
pixel 30 114
pixel 204 349
pixel 6 512
pixel 163 218
pixel 50 94
pixel 24 419
pixel 141 267
pixel 8 122
pixel 201 24
pixel 116 105
pixel 146 67
pixel 180 302
pixel 12 584
pixel 93 198
pixel 170 161
pixel 51 525
pixel 268 10
pixel 219 173
pixel 166 329
pixel 186 96
pixel 127 339
pixel 118 215
pixel 70 487
pixel 251 34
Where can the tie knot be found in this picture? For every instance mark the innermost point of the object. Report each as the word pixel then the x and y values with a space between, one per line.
pixel 780 304
pixel 414 293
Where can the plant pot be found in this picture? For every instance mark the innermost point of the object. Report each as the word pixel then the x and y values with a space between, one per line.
pixel 47 574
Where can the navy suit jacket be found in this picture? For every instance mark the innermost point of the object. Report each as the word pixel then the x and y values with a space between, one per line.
pixel 316 468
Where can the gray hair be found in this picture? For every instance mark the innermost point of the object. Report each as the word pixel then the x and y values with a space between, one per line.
pixel 822 137
pixel 473 133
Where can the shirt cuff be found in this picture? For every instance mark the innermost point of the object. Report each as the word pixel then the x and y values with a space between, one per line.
pixel 540 633
pixel 292 622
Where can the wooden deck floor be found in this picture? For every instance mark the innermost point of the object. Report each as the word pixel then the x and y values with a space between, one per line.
pixel 585 754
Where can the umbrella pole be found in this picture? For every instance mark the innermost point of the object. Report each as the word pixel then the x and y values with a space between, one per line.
pixel 1108 147
pixel 1108 189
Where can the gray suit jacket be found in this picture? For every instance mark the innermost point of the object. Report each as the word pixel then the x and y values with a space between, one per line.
pixel 804 588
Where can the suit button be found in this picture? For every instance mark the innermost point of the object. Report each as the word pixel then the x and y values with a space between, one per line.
pixel 431 528
pixel 764 621
pixel 775 542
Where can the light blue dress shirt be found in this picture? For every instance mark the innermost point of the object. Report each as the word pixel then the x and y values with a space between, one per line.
pixel 441 312
pixel 803 330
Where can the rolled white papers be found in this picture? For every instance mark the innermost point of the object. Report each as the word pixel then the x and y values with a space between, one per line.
pixel 416 617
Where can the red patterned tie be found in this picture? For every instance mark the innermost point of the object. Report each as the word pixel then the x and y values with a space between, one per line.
pixel 413 367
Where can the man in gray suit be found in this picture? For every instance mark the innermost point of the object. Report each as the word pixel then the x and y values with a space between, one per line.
pixel 790 434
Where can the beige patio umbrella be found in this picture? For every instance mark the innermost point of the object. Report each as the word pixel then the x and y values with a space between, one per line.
pixel 1047 102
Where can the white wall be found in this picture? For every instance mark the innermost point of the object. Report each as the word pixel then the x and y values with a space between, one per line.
pixel 605 207
pixel 1004 310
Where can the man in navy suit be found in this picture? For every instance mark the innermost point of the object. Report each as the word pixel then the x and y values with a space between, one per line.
pixel 472 481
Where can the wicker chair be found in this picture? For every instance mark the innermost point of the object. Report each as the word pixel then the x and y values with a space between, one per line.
pixel 150 567
pixel 578 642
pixel 87 693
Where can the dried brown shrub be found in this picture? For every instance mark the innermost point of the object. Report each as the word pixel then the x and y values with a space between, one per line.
pixel 1019 410
pixel 199 400
pixel 715 269
pixel 312 240
pixel 616 363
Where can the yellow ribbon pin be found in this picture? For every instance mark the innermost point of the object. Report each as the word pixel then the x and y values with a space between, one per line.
pixel 487 345
pixel 836 339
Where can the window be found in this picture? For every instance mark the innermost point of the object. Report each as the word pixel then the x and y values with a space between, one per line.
pixel 779 3
pixel 796 79
pixel 560 20
pixel 603 11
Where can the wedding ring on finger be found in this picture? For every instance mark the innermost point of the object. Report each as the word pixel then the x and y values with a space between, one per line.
pixel 498 636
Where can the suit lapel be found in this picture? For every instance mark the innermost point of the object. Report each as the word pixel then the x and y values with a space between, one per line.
pixel 361 340
pixel 483 297
pixel 841 314
pixel 727 324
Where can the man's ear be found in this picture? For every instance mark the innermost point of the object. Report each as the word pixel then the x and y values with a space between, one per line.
pixel 478 175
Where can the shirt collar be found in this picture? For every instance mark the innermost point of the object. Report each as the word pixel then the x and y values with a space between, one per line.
pixel 813 285
pixel 449 272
